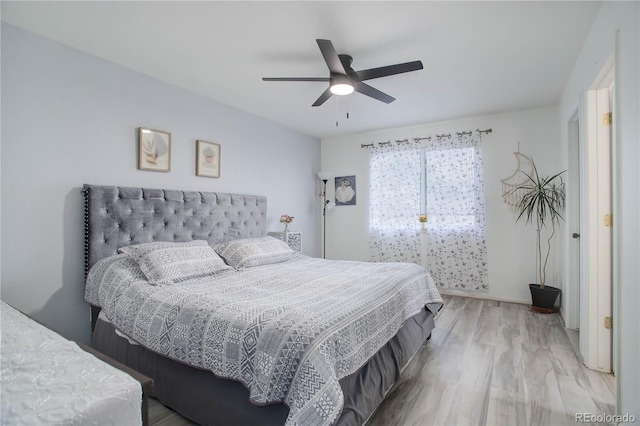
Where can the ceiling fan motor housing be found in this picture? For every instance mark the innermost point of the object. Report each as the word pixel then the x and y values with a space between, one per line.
pixel 346 63
pixel 340 79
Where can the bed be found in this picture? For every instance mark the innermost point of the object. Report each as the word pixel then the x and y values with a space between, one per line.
pixel 267 336
pixel 47 379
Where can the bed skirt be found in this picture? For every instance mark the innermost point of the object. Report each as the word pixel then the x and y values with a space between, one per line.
pixel 206 399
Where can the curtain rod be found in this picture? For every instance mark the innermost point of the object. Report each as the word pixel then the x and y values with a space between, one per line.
pixel 428 138
pixel 371 145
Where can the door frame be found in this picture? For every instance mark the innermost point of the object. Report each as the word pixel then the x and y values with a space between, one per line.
pixel 575 168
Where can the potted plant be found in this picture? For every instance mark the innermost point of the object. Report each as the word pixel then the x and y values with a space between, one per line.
pixel 543 202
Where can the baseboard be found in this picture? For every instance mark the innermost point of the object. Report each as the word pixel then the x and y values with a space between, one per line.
pixel 479 295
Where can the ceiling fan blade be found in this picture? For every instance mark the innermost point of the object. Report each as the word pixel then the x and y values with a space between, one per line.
pixel 365 89
pixel 323 98
pixel 325 79
pixel 388 70
pixel 331 56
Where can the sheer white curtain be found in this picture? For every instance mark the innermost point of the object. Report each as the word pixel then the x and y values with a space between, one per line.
pixel 442 178
pixel 457 250
pixel 394 204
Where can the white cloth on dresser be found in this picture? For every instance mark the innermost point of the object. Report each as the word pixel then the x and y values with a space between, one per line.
pixel 47 379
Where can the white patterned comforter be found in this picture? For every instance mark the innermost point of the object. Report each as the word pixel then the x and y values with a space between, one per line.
pixel 47 379
pixel 288 331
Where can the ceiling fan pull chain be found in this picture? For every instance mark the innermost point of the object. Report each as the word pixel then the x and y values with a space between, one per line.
pixel 347 108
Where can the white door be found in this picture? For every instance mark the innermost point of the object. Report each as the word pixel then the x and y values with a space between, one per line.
pixel 596 260
pixel 604 280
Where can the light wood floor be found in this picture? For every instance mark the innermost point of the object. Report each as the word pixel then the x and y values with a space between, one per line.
pixel 487 363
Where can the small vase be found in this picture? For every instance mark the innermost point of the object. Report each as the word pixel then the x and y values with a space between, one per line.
pixel 286 228
pixel 423 225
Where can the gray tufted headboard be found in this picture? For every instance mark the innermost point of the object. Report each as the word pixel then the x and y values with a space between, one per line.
pixel 119 216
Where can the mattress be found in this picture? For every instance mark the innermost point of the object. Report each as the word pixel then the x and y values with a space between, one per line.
pixel 288 331
pixel 47 379
pixel 208 399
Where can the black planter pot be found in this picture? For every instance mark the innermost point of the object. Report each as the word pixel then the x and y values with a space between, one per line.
pixel 544 299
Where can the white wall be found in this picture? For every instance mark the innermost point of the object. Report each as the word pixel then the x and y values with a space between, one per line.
pixel 510 246
pixel 618 22
pixel 69 118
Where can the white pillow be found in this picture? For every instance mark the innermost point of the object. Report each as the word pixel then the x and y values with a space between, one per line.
pixel 171 263
pixel 249 252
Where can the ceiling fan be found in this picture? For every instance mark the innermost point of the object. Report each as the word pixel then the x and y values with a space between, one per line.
pixel 343 80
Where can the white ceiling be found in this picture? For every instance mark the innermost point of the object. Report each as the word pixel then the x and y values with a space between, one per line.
pixel 479 57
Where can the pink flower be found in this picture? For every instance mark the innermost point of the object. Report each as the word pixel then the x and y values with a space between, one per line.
pixel 285 218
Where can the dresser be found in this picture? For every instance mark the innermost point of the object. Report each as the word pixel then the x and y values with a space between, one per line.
pixel 293 239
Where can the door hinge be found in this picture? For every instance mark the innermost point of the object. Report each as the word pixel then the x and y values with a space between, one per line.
pixel 608 220
pixel 607 118
pixel 608 323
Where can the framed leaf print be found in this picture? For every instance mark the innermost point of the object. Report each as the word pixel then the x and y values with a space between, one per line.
pixel 154 150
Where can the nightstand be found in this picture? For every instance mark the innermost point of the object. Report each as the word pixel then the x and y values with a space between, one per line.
pixel 293 239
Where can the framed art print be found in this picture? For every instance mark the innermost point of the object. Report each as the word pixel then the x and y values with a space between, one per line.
pixel 154 150
pixel 345 190
pixel 207 159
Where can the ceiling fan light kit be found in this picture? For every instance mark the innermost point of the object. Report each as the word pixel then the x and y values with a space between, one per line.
pixel 342 89
pixel 343 80
pixel 341 85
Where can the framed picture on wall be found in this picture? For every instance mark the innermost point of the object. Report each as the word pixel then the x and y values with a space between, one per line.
pixel 345 190
pixel 207 159
pixel 154 150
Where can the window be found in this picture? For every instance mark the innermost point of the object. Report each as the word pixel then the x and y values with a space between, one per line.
pixel 444 179
pixel 394 189
pixel 448 187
